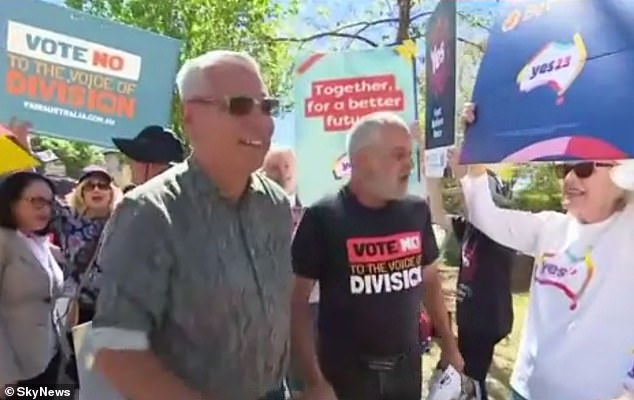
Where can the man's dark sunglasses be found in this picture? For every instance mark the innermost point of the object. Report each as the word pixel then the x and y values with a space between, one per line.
pixel 241 106
pixel 583 169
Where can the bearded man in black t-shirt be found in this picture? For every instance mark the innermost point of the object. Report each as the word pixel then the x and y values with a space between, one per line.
pixel 372 249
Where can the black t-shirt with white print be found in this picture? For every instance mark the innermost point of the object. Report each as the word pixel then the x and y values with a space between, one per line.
pixel 484 304
pixel 369 264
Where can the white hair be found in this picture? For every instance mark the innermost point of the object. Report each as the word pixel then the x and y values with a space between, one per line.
pixel 191 79
pixel 366 129
pixel 275 151
pixel 622 175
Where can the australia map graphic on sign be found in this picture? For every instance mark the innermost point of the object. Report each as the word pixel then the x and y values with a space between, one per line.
pixel 556 66
pixel 545 66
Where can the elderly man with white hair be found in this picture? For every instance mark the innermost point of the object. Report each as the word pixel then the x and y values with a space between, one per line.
pixel 280 165
pixel 372 249
pixel 197 272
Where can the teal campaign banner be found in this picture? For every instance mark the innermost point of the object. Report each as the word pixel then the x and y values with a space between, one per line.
pixel 331 92
pixel 78 77
pixel 555 83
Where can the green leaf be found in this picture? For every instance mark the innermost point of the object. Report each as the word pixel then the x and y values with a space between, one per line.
pixel 74 155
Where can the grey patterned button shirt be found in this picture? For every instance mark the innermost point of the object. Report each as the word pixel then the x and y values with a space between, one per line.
pixel 204 283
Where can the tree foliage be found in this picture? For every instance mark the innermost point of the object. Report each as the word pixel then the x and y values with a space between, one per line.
pixel 255 25
pixel 74 155
pixel 385 23
pixel 533 187
pixel 204 25
pixel 538 187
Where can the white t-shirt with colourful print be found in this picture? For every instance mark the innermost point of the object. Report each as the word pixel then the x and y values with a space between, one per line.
pixel 578 336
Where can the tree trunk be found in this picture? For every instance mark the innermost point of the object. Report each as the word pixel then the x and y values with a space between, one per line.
pixel 404 15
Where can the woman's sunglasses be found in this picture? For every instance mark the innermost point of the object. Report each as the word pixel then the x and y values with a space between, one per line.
pixel 241 106
pixel 583 170
pixel 96 185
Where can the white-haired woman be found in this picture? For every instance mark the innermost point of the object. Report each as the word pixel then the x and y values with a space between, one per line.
pixel 280 165
pixel 578 338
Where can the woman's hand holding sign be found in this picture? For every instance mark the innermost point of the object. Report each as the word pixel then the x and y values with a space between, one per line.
pixel 19 131
pixel 17 153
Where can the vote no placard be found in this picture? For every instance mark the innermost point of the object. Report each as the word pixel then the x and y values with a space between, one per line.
pixel 80 77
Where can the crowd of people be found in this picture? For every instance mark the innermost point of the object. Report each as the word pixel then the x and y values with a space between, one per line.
pixel 211 280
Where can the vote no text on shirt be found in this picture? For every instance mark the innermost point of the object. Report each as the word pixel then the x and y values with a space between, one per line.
pixel 385 264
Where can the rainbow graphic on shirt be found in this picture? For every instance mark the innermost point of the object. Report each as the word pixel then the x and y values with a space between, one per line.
pixel 572 276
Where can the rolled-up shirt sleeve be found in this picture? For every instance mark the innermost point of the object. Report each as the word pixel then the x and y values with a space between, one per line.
pixel 136 262
pixel 519 230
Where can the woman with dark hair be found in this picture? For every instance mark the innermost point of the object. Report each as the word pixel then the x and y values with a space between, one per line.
pixel 30 281
pixel 77 226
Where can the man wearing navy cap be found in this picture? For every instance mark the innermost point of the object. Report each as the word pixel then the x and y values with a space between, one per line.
pixel 151 152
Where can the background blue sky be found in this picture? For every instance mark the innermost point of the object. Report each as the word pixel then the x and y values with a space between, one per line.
pixel 323 15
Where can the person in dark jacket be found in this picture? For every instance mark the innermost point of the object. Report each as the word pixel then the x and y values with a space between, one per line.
pixel 484 305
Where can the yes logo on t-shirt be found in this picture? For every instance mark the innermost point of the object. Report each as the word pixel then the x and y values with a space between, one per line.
pixel 385 264
pixel 567 273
